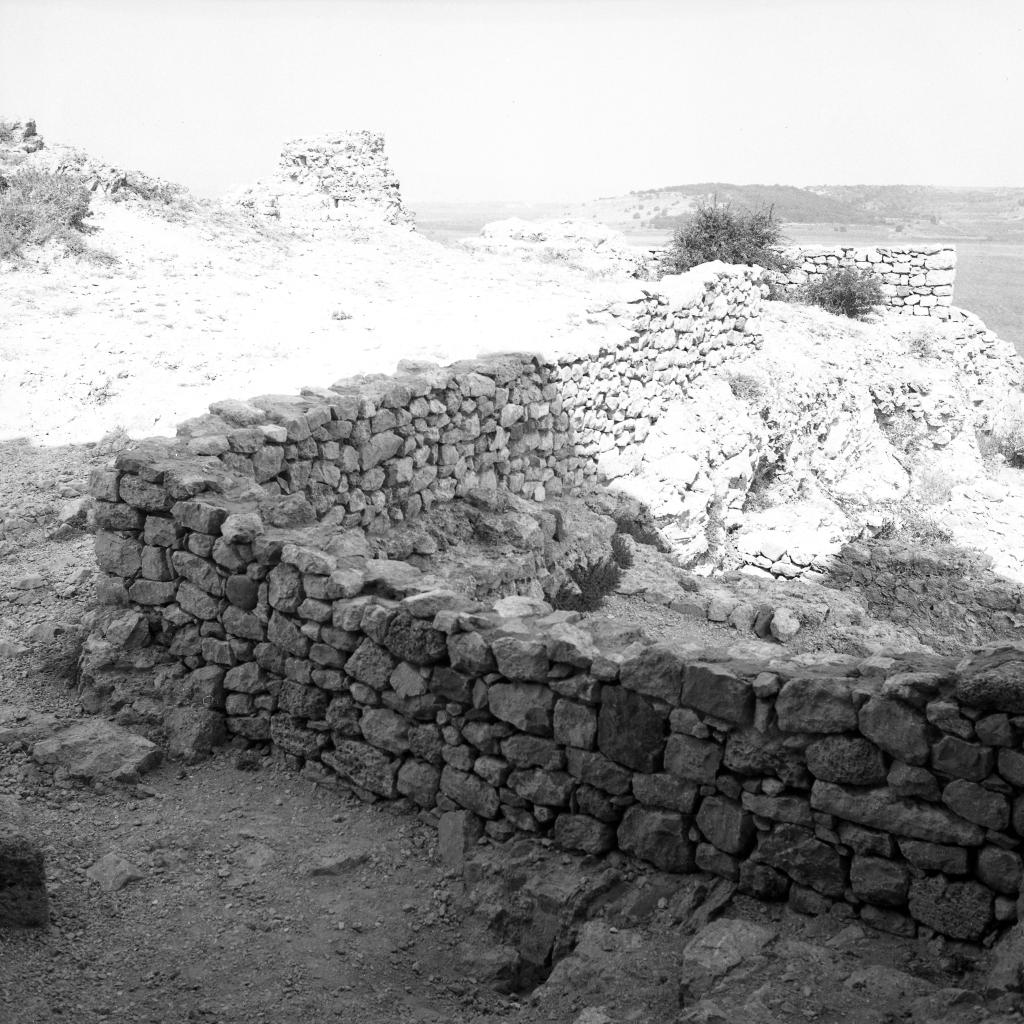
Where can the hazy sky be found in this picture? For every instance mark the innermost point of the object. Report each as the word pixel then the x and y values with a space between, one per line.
pixel 533 99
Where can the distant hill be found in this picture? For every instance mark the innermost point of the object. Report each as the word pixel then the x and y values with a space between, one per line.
pixel 947 211
pixel 992 211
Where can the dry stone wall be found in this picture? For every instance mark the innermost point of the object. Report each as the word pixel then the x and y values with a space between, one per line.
pixel 329 177
pixel 892 789
pixel 948 594
pixel 916 280
pixel 393 444
pixel 240 600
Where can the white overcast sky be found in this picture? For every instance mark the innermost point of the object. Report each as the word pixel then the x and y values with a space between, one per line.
pixel 533 99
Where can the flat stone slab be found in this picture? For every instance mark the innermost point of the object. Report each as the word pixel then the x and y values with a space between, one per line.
pixel 95 748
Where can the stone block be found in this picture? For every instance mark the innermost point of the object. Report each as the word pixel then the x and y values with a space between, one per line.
pixel 597 770
pixel 419 781
pixel 726 825
pixel 849 759
pixel 693 759
pixel 657 836
pixel 575 725
pixel 663 790
pixel 714 690
pixel 470 791
pixel 363 766
pixel 1000 869
pixel 520 659
pixel 816 704
pixel 655 670
pixel 878 808
pixel 469 653
pixel 880 881
pixel 951 860
pixel 959 910
pixel 955 757
pixel 527 706
pixel 457 835
pixel 631 731
pixel 583 833
pixel 977 804
pixel 897 728
pixel 804 858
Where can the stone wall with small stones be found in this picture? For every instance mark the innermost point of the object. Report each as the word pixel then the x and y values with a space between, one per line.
pixel 916 280
pixel 240 601
pixel 885 788
pixel 948 594
pixel 388 446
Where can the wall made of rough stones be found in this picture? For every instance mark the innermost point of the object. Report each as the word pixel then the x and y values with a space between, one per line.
pixel 329 177
pixel 237 603
pixel 892 789
pixel 916 280
pixel 393 444
pixel 949 596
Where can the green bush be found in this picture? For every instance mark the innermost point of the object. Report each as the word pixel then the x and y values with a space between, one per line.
pixel 36 206
pixel 718 232
pixel 588 586
pixel 845 291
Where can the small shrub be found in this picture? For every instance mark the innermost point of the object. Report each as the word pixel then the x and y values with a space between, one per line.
pixel 588 586
pixel 903 432
pixel 641 529
pixel 746 386
pixel 911 523
pixel 845 291
pixel 714 529
pixel 718 232
pixel 758 493
pixel 921 343
pixel 1005 439
pixel 933 485
pixel 37 206
pixel 622 551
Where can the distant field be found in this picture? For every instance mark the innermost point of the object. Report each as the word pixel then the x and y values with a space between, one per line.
pixel 989 277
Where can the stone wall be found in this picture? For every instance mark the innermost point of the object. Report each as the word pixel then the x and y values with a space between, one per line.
pixel 240 600
pixel 916 280
pixel 329 177
pixel 891 788
pixel 391 444
pixel 948 594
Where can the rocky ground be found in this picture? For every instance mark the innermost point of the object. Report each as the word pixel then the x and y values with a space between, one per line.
pixel 209 304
